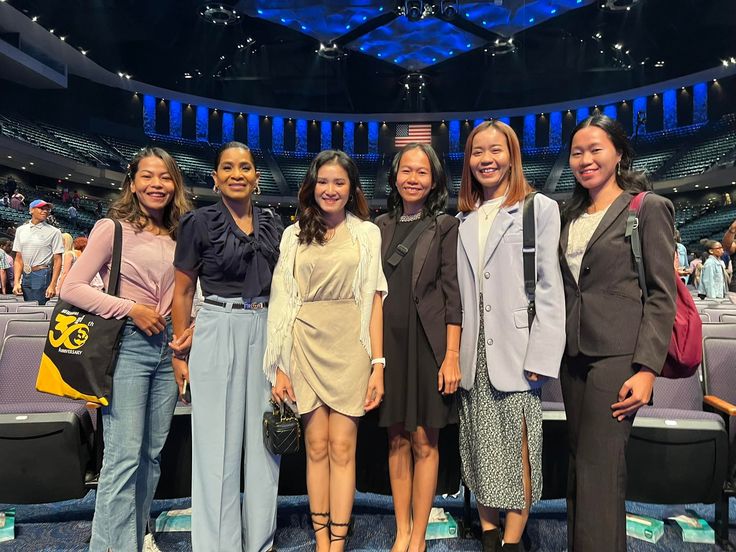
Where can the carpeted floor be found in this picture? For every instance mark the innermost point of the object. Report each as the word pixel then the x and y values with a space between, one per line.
pixel 65 526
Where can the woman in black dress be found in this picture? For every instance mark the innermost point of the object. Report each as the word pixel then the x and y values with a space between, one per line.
pixel 422 318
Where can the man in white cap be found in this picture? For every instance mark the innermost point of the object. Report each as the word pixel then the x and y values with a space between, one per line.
pixel 38 248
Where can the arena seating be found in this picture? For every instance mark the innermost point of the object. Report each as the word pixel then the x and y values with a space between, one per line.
pixel 47 441
pixel 704 226
pixel 538 164
pixel 719 379
pixel 19 128
pixel 701 155
pixel 454 167
pixel 294 166
pixel 678 452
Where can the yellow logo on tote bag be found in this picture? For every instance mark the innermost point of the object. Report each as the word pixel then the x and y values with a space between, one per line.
pixel 72 333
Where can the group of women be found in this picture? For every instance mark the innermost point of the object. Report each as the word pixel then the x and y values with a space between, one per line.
pixel 337 316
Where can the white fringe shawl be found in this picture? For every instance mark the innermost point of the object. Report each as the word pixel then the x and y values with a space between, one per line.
pixel 285 302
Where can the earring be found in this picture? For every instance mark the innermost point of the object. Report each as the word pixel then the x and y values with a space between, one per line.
pixel 257 190
pixel 618 168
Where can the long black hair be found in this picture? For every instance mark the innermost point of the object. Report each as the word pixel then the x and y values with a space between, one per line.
pixel 627 178
pixel 312 226
pixel 436 200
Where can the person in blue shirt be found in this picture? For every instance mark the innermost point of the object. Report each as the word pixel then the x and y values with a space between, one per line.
pixel 713 279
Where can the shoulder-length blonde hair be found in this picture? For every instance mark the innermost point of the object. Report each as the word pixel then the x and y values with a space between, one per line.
pixel 127 208
pixel 471 192
pixel 68 242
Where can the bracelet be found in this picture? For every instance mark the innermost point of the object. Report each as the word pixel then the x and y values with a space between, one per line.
pixel 380 360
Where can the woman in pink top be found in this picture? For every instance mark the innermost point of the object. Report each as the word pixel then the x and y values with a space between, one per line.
pixel 144 391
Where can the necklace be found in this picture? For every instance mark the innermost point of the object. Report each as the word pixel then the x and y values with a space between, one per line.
pixel 410 218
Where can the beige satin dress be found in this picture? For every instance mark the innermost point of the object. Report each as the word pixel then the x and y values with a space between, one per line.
pixel 329 365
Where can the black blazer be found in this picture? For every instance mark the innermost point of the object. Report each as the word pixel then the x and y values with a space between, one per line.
pixel 605 312
pixel 434 277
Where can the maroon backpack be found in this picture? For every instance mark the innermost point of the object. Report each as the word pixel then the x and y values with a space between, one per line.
pixel 686 346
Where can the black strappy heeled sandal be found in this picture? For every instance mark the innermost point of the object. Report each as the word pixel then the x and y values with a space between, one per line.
pixel 348 533
pixel 319 524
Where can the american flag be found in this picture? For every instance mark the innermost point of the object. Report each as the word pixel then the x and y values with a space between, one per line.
pixel 413 132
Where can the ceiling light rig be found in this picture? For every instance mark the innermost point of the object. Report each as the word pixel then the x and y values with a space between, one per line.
pixel 500 46
pixel 449 9
pixel 619 5
pixel 217 13
pixel 330 51
pixel 416 10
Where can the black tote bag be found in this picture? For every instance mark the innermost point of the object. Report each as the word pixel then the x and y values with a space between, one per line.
pixel 81 348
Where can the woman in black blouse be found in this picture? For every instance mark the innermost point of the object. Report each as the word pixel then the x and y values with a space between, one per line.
pixel 232 248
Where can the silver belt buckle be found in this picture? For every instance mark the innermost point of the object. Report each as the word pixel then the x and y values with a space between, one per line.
pixel 27 269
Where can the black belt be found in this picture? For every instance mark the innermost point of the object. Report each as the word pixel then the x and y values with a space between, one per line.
pixel 238 306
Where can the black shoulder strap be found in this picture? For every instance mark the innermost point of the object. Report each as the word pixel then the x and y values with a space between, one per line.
pixel 403 248
pixel 529 252
pixel 117 253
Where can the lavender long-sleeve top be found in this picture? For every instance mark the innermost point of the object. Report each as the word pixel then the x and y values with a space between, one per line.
pixel 146 272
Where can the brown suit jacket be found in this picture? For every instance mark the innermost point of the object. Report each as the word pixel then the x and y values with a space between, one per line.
pixel 434 277
pixel 605 312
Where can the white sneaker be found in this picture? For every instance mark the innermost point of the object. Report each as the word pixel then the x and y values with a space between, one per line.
pixel 149 545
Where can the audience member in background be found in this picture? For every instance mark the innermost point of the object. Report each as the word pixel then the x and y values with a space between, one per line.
pixel 67 259
pixel 231 248
pixel 505 356
pixel 713 277
pixel 729 246
pixel 78 247
pixel 6 266
pixel 16 200
pixel 682 267
pixel 616 341
pixel 65 196
pixel 76 199
pixel 6 200
pixel 99 211
pixel 137 420
pixel 10 185
pixel 73 214
pixel 421 338
pixel 325 333
pixel 38 247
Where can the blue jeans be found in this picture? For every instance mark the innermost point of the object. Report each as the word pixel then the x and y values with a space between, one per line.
pixel 135 426
pixel 35 284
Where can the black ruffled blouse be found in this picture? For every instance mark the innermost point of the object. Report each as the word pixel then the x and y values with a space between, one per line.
pixel 229 262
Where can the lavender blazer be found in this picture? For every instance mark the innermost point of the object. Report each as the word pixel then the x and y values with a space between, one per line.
pixel 509 345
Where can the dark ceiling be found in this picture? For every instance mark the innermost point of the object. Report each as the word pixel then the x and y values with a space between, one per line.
pixel 569 52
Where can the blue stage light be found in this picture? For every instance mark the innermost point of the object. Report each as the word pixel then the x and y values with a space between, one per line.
pixel 416 44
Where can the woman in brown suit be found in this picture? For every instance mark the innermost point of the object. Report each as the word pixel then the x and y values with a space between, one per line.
pixel 422 318
pixel 616 340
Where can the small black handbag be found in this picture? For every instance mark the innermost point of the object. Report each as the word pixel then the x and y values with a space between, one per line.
pixel 281 430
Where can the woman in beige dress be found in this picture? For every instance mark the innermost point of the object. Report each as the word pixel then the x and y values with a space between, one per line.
pixel 325 333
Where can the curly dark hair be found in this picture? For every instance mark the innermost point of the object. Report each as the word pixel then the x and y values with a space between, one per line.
pixel 312 226
pixel 436 200
pixel 628 179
